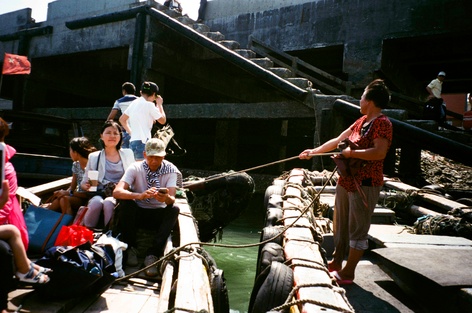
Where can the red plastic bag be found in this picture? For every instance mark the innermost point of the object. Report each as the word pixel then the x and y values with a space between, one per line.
pixel 74 235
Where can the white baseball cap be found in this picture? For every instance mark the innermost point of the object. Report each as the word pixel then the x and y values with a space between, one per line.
pixel 442 74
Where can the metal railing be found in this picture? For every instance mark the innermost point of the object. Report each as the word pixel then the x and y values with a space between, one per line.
pixel 326 81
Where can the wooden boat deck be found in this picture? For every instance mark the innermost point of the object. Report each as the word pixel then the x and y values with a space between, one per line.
pixel 136 295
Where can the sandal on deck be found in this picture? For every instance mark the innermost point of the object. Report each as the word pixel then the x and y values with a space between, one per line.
pixel 29 277
pixel 340 280
pixel 43 270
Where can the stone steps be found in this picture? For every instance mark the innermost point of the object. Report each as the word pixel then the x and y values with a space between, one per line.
pixel 233 45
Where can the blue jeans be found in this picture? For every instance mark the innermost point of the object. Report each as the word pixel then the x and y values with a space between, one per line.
pixel 125 141
pixel 138 149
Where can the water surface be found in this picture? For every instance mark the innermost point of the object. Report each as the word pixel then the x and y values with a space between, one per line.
pixel 239 265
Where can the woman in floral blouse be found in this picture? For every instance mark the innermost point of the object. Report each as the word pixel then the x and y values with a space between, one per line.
pixel 357 194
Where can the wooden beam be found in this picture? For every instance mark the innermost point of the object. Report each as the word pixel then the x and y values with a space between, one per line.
pixel 193 289
pixel 265 110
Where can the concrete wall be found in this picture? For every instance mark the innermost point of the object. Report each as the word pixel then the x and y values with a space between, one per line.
pixel 223 8
pixel 63 40
pixel 361 26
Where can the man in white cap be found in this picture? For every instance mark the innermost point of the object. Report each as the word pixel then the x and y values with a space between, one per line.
pixel 147 196
pixel 434 108
pixel 434 88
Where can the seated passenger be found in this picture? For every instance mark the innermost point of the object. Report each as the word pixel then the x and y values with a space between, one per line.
pixel 147 200
pixel 12 252
pixel 111 163
pixel 68 201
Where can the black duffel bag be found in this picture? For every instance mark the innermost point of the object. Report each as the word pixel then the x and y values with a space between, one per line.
pixel 77 271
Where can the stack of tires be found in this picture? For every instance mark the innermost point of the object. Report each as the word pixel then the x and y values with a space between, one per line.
pixel 274 279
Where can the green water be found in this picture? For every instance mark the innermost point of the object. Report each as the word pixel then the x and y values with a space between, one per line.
pixel 239 264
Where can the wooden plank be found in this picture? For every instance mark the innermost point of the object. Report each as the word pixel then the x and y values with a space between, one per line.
pixel 51 186
pixel 449 271
pixel 25 194
pixel 438 201
pixel 442 203
pixel 393 236
pixel 193 290
pixel 167 281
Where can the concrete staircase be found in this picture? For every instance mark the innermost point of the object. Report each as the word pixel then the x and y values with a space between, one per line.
pixel 234 46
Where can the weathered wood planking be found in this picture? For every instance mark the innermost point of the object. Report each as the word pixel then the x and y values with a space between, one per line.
pixel 193 288
pixel 306 260
pixel 167 280
pixel 47 188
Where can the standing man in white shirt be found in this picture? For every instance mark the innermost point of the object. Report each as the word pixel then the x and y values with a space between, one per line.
pixel 141 115
pixel 434 108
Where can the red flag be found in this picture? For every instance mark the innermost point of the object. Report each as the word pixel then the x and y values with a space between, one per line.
pixel 15 64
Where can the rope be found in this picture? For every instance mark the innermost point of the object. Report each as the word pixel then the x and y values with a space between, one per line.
pixel 189 250
pixel 186 310
pixel 254 168
pixel 289 303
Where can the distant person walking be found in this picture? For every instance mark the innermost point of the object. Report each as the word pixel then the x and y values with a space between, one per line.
pixel 173 5
pixel 469 106
pixel 141 115
pixel 128 90
pixel 434 108
pixel 434 88
pixel 201 11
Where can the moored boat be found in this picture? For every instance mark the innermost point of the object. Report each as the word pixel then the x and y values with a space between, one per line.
pixel 191 281
pixel 291 273
pixel 217 200
pixel 297 241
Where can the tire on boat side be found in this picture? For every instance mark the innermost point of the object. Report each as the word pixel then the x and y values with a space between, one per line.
pixel 219 292
pixel 435 188
pixel 273 216
pixel 270 252
pixel 267 233
pixel 272 190
pixel 271 232
pixel 271 288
